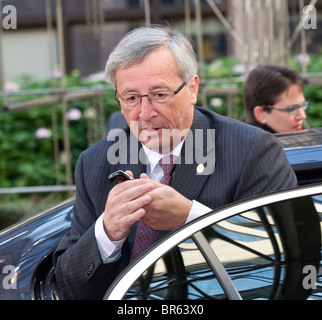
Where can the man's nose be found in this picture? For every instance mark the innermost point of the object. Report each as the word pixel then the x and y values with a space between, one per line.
pixel 147 110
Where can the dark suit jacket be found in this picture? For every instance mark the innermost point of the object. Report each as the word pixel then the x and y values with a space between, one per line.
pixel 249 161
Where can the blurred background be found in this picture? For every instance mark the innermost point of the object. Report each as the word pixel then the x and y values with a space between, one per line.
pixel 54 101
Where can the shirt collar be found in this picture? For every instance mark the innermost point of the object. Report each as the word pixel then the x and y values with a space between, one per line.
pixel 154 157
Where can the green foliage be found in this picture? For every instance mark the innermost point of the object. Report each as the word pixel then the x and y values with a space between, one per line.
pixel 26 160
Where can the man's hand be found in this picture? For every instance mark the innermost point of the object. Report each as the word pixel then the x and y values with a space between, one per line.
pixel 168 209
pixel 125 205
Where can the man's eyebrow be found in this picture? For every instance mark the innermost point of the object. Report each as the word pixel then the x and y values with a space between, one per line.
pixel 160 87
pixel 128 91
pixel 154 88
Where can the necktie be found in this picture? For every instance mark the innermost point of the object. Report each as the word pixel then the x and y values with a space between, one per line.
pixel 145 235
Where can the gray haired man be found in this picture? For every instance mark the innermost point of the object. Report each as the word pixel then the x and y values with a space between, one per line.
pixel 154 72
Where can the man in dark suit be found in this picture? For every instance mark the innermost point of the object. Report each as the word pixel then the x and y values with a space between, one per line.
pixel 218 161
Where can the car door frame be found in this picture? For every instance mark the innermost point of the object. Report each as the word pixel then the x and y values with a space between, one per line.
pixel 121 285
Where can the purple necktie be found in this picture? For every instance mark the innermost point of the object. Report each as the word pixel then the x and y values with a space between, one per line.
pixel 145 235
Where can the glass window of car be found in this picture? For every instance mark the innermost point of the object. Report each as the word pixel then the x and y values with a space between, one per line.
pixel 257 254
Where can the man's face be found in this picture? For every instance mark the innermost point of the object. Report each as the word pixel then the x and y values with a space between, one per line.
pixel 282 121
pixel 157 72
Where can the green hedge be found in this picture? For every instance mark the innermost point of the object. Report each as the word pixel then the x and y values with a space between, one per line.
pixel 26 160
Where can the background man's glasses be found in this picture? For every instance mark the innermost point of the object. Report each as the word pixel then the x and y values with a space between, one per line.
pixel 157 98
pixel 292 109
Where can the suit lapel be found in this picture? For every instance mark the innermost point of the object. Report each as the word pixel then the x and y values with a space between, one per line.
pixel 197 159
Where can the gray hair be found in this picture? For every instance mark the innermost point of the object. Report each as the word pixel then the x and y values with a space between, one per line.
pixel 140 42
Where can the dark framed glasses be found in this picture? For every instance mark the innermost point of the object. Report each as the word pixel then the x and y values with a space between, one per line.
pixel 157 98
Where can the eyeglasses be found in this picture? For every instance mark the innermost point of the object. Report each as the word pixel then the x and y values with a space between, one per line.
pixel 157 98
pixel 292 109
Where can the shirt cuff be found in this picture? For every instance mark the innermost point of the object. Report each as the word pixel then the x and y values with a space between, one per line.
pixel 109 250
pixel 197 210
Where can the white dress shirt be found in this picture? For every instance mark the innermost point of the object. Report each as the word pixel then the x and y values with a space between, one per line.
pixel 111 250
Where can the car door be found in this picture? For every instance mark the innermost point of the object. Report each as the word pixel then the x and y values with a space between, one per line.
pixel 268 247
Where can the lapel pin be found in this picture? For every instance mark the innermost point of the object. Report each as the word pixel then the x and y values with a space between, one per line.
pixel 200 168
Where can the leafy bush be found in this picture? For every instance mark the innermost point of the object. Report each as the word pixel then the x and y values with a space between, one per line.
pixel 27 156
pixel 27 153
pixel 26 148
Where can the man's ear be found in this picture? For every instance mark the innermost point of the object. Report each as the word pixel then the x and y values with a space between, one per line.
pixel 260 114
pixel 194 87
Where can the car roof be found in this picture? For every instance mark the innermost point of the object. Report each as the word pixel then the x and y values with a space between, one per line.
pixel 308 137
pixel 304 152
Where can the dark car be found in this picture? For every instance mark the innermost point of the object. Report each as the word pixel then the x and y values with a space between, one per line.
pixel 304 152
pixel 265 248
pixel 268 247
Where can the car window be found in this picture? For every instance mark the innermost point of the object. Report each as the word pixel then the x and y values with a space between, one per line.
pixel 271 252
